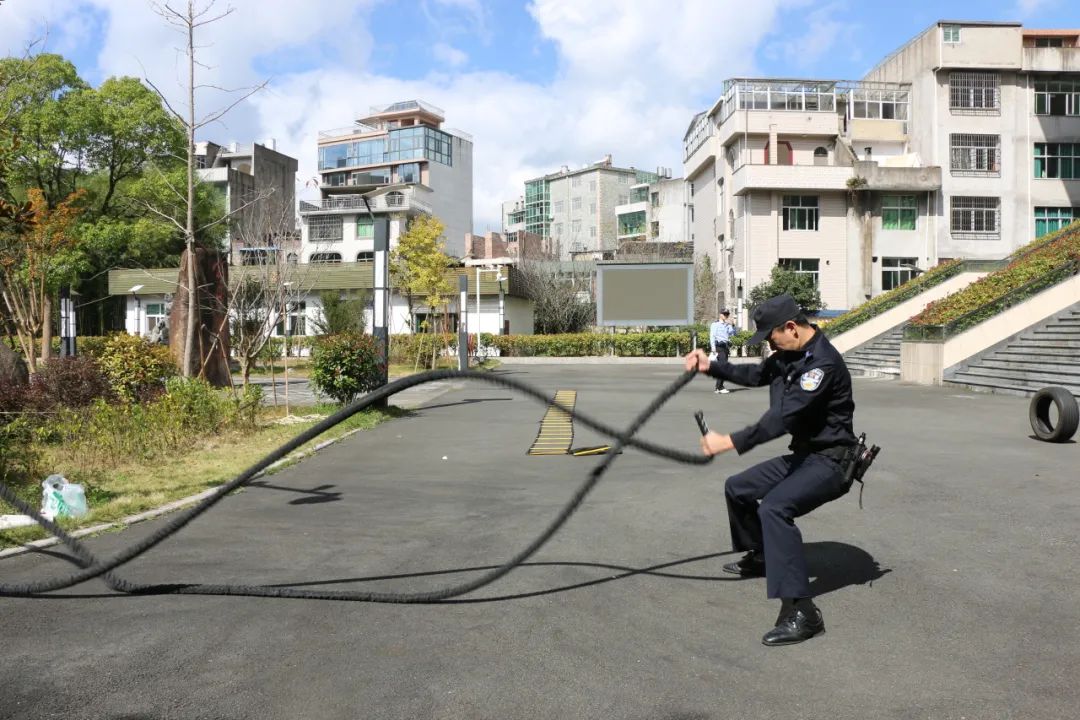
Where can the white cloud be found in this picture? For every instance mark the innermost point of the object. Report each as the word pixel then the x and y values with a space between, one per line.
pixel 449 55
pixel 630 76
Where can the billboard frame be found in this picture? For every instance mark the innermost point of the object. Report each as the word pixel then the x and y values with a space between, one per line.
pixel 688 266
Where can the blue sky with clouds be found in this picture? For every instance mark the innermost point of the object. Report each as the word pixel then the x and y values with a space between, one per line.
pixel 538 84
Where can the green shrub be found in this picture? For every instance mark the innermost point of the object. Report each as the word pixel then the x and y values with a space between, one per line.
pixel 197 406
pixel 136 368
pixel 405 349
pixel 888 300
pixel 1026 267
pixel 345 366
pixel 20 458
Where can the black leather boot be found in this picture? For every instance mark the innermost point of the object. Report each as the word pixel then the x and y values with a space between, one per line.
pixel 800 622
pixel 751 565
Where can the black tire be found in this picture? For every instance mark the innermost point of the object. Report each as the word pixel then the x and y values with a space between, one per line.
pixel 1068 414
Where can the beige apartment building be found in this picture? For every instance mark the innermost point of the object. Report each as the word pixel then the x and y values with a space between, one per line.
pixel 959 144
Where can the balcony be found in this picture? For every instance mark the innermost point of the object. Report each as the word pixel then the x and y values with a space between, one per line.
pixel 213 175
pixel 640 206
pixel 889 179
pixel 1052 59
pixel 396 200
pixel 790 177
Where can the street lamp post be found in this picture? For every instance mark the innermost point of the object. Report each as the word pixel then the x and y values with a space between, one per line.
pixel 381 294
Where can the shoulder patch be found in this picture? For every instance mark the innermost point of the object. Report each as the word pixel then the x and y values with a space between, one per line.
pixel 811 379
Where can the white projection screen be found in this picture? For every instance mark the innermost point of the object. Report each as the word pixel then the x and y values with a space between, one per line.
pixel 629 295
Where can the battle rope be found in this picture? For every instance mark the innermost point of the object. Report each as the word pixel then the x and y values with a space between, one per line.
pixel 93 568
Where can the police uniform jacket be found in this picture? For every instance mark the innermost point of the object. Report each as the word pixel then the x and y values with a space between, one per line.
pixel 809 397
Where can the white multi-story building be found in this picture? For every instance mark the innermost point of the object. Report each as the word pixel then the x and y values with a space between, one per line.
pixel 574 210
pixel 956 145
pixel 654 219
pixel 403 163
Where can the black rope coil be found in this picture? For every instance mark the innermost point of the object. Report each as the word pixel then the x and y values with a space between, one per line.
pixel 91 567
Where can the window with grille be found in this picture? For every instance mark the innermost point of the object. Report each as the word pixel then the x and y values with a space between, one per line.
pixel 899 212
pixel 365 227
pixel 575 181
pixel 802 266
pixel 975 154
pixel 1051 219
pixel 975 217
pixel 325 228
pixel 950 33
pixel 1058 96
pixel 897 271
pixel 576 204
pixel 559 206
pixel 325 258
pixel 975 93
pixel 1057 160
pixel 800 212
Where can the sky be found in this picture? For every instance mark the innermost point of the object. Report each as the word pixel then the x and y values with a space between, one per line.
pixel 537 84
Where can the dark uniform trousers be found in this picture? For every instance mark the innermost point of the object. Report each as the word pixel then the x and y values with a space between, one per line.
pixel 788 487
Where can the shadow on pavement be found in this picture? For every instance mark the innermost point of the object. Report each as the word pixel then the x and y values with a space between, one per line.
pixel 835 565
pixel 318 494
pixel 466 401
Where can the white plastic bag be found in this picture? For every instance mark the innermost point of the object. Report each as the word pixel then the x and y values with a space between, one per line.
pixel 60 498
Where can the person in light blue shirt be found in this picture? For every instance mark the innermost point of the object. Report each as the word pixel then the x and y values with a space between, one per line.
pixel 720 333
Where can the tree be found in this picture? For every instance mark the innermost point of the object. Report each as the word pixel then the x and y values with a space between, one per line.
pixel 186 21
pixel 48 112
pixel 782 280
pixel 705 309
pixel 35 254
pixel 418 265
pixel 562 296
pixel 342 312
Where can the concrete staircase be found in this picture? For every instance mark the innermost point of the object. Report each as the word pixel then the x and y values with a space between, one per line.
pixel 879 357
pixel 1044 354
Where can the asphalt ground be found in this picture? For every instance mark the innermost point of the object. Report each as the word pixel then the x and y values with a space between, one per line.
pixel 952 595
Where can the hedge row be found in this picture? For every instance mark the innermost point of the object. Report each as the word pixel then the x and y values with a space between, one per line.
pixel 1028 265
pixel 888 300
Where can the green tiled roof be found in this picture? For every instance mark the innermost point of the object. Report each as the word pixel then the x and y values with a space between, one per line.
pixel 344 276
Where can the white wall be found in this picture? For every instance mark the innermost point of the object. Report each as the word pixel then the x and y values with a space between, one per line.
pixel 452 195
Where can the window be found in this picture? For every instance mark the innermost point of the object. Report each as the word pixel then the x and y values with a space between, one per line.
pixel 592 186
pixel 624 179
pixel 155 313
pixel 575 227
pixel 950 33
pixel 1057 160
pixel 975 154
pixel 974 93
pixel 1057 96
pixel 655 228
pixel 592 231
pixel 655 198
pixel 821 156
pixel 1051 219
pixel 1049 42
pixel 257 256
pixel 899 212
pixel 800 212
pixel 632 223
pixel 559 206
pixel 324 228
pixel 408 173
pixel 897 271
pixel 869 104
pixel 297 313
pixel 575 204
pixel 395 199
pixel 556 230
pixel 325 257
pixel 291 259
pixel 592 208
pixel 365 256
pixel 365 228
pixel 575 181
pixel 802 266
pixel 975 217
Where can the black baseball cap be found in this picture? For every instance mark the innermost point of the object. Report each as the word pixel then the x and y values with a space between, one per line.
pixel 773 313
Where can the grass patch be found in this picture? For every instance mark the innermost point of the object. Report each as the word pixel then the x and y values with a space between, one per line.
pixel 118 489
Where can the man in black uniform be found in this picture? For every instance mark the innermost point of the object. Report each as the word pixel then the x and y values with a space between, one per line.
pixel 810 398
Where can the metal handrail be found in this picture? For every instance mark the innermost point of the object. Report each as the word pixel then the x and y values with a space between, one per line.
pixel 942 332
